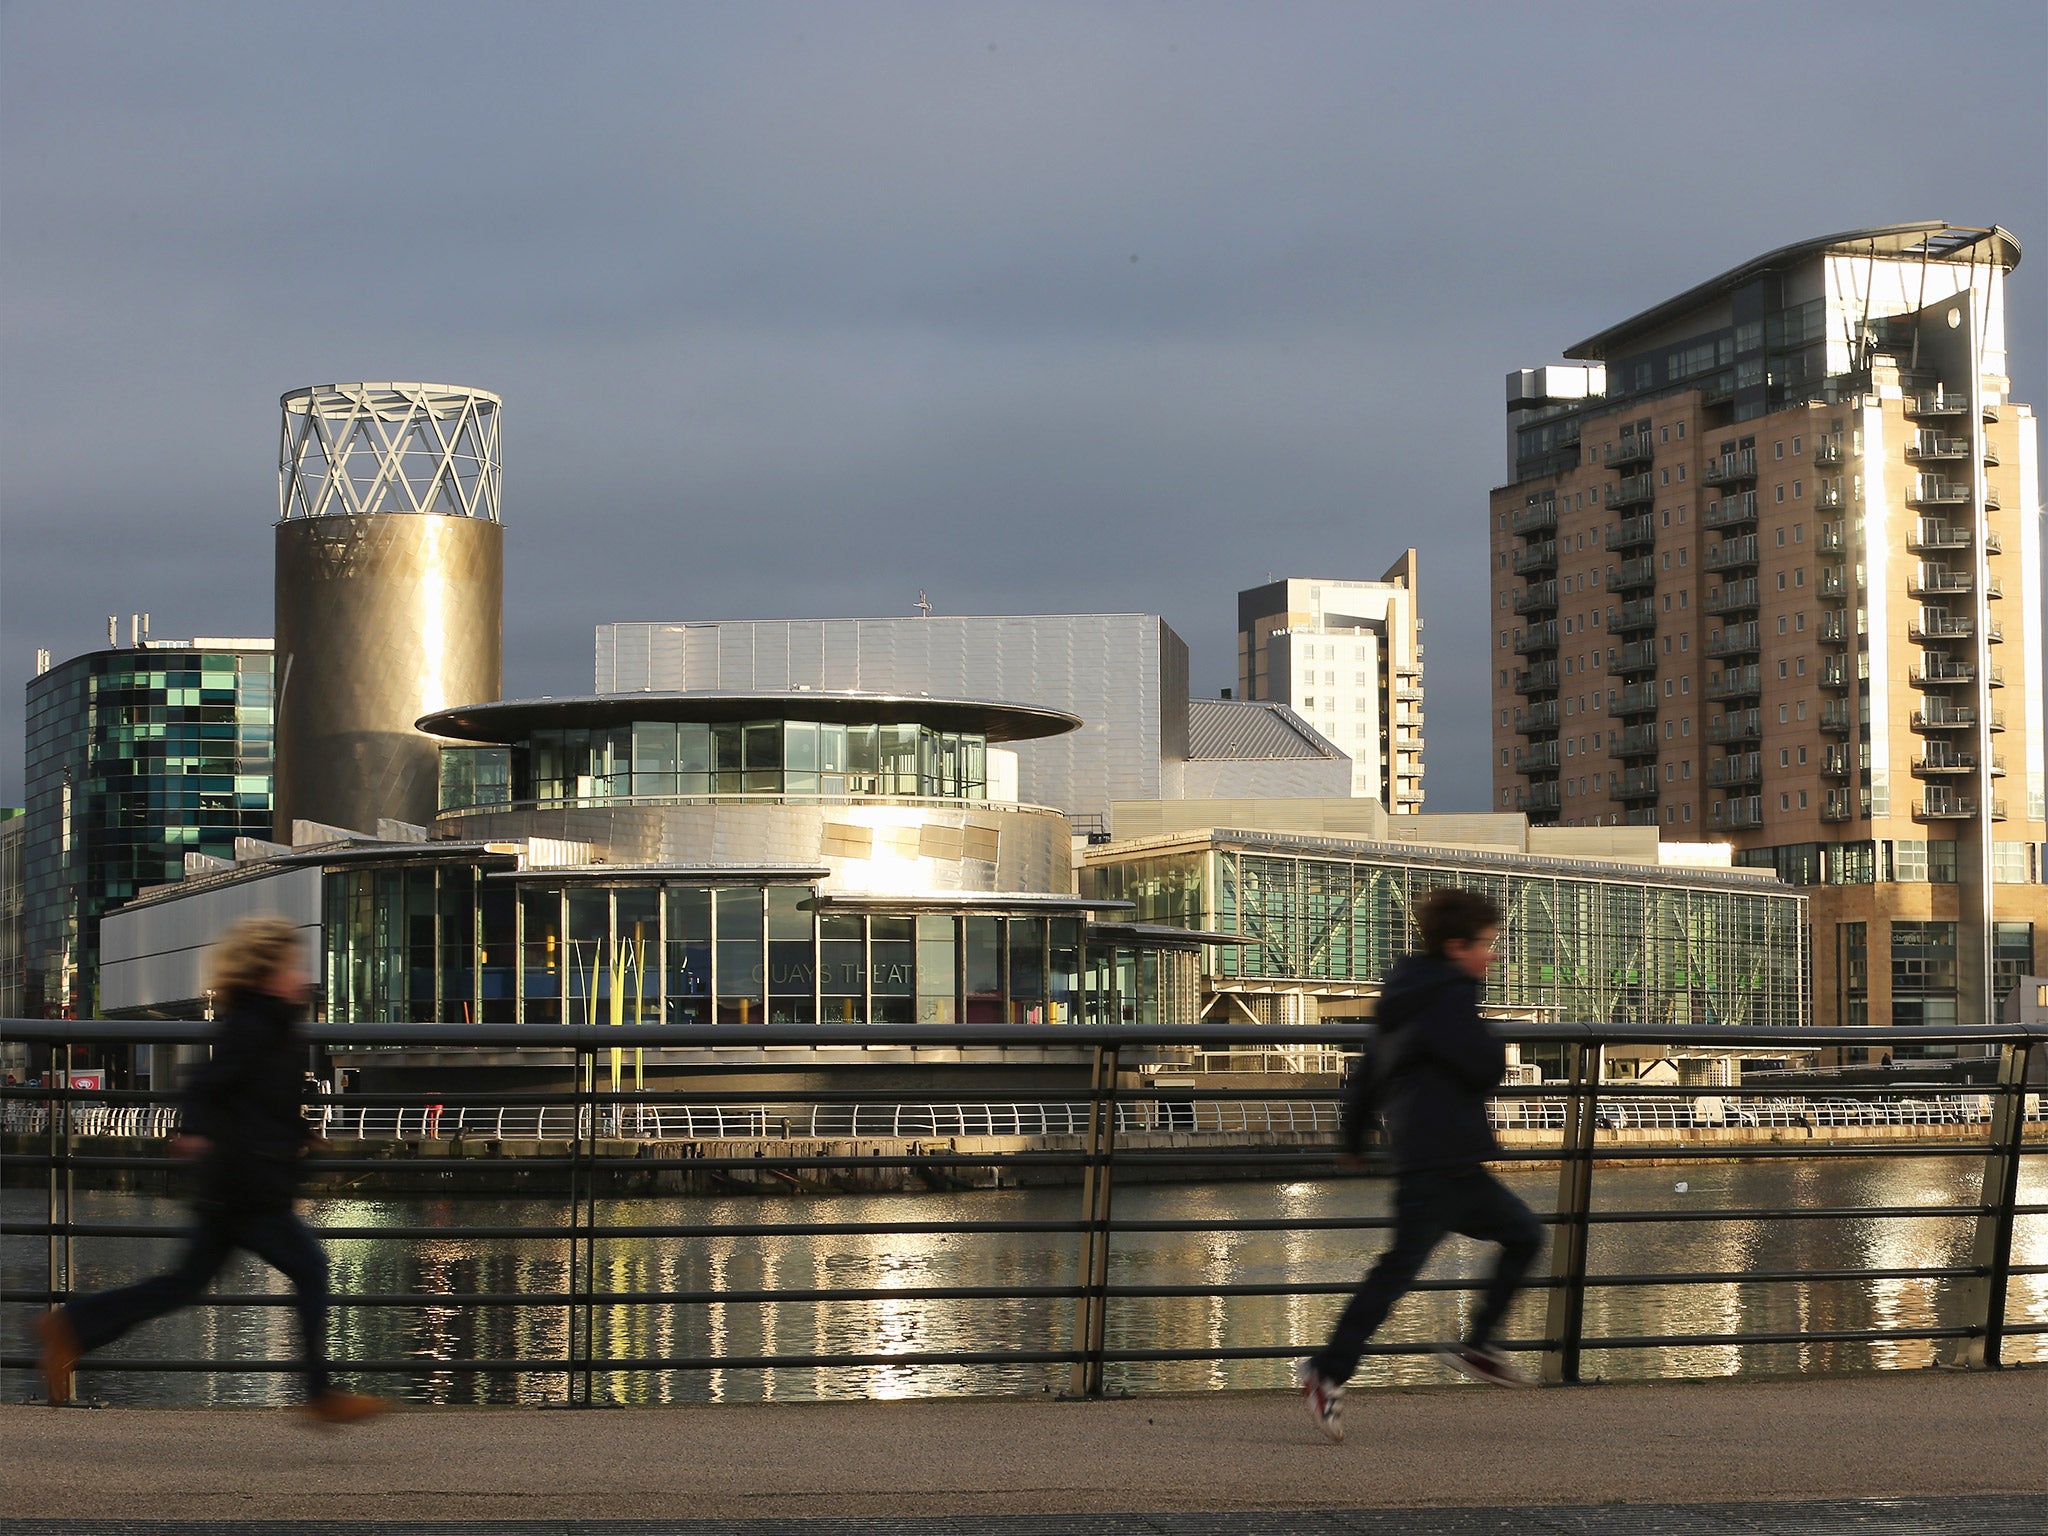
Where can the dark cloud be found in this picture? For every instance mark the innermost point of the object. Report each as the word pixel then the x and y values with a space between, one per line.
pixel 802 309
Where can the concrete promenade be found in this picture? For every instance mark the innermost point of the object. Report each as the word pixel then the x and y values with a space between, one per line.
pixel 1931 1435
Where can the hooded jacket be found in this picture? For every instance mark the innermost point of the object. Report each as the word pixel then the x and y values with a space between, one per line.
pixel 1444 1062
pixel 248 1101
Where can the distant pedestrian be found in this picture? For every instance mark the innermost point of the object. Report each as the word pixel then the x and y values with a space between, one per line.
pixel 244 1121
pixel 1440 1062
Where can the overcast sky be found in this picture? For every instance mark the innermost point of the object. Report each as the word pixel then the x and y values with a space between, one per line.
pixel 799 309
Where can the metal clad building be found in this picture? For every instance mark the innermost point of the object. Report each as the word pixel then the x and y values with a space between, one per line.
pixel 1124 674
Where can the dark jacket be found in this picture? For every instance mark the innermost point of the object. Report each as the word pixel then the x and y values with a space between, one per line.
pixel 1443 1063
pixel 248 1101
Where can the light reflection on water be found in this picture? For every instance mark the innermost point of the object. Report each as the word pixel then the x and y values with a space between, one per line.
pixel 456 1265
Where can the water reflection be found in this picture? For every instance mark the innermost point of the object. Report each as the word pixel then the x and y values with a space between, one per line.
pixel 440 1336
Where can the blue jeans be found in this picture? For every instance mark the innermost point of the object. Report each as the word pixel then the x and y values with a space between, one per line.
pixel 276 1236
pixel 1429 1204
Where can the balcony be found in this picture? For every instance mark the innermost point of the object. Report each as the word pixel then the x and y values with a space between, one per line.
pixel 1632 617
pixel 1633 532
pixel 1541 518
pixel 1730 554
pixel 1408 692
pixel 1830 498
pixel 1941 805
pixel 1537 799
pixel 1930 446
pixel 1537 637
pixel 1634 657
pixel 1630 450
pixel 1734 772
pixel 1737 815
pixel 1936 626
pixel 1718 389
pixel 1735 683
pixel 1636 699
pixel 1948 717
pixel 1633 574
pixel 1636 784
pixel 1936 533
pixel 1836 717
pixel 1730 468
pixel 1735 507
pixel 1540 598
pixel 1737 725
pixel 1938 404
pixel 1938 760
pixel 1835 764
pixel 1540 556
pixel 1937 671
pixel 1733 596
pixel 1827 451
pixel 1536 719
pixel 1635 741
pixel 1940 581
pixel 1541 678
pixel 1834 673
pixel 1834 629
pixel 1744 639
pixel 1930 491
pixel 1830 542
pixel 1542 757
pixel 1838 805
pixel 1832 583
pixel 1631 491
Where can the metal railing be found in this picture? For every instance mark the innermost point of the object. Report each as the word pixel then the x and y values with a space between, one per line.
pixel 1126 1124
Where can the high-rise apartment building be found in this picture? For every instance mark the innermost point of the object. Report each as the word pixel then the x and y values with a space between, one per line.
pixel 1768 569
pixel 137 756
pixel 1347 657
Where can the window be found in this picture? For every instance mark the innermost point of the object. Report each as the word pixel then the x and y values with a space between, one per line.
pixel 1781 624
pixel 1798 489
pixel 1795 445
pixel 1784 757
pixel 1778 450
pixel 1781 493
pixel 1799 666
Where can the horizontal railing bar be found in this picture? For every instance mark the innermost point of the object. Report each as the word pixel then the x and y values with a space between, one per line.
pixel 444 1301
pixel 1753 1340
pixel 586 1038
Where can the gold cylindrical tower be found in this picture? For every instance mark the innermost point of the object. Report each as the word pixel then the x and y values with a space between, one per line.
pixel 389 591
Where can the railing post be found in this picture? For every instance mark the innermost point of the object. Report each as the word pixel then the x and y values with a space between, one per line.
pixel 57 1251
pixel 1091 1310
pixel 1567 1310
pixel 1984 1294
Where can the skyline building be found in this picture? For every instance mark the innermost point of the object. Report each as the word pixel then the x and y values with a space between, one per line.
pixel 1767 568
pixel 139 758
pixel 1347 657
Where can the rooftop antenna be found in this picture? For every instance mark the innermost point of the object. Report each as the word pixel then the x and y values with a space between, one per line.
pixel 923 604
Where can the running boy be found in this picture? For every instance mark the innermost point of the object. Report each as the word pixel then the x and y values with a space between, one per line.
pixel 1441 1062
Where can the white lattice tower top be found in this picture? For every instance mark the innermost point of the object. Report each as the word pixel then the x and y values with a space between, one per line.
pixel 372 448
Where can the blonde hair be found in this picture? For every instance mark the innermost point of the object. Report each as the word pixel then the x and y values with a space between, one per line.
pixel 250 953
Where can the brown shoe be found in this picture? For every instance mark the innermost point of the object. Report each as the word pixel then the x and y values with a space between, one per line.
pixel 345 1407
pixel 60 1355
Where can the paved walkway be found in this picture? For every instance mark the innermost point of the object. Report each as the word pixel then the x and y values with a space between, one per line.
pixel 1984 1515
pixel 1524 1461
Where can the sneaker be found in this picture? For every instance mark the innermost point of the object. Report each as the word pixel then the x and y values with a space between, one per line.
pixel 1325 1398
pixel 60 1355
pixel 1485 1362
pixel 344 1407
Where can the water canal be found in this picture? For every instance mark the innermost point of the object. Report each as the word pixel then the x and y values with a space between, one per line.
pixel 457 1264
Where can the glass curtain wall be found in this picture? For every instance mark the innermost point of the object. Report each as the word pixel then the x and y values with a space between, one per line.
pixel 449 942
pixel 1572 947
pixel 763 757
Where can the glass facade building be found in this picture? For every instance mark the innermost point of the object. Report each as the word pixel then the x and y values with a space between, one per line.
pixel 1581 941
pixel 136 757
pixel 483 939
